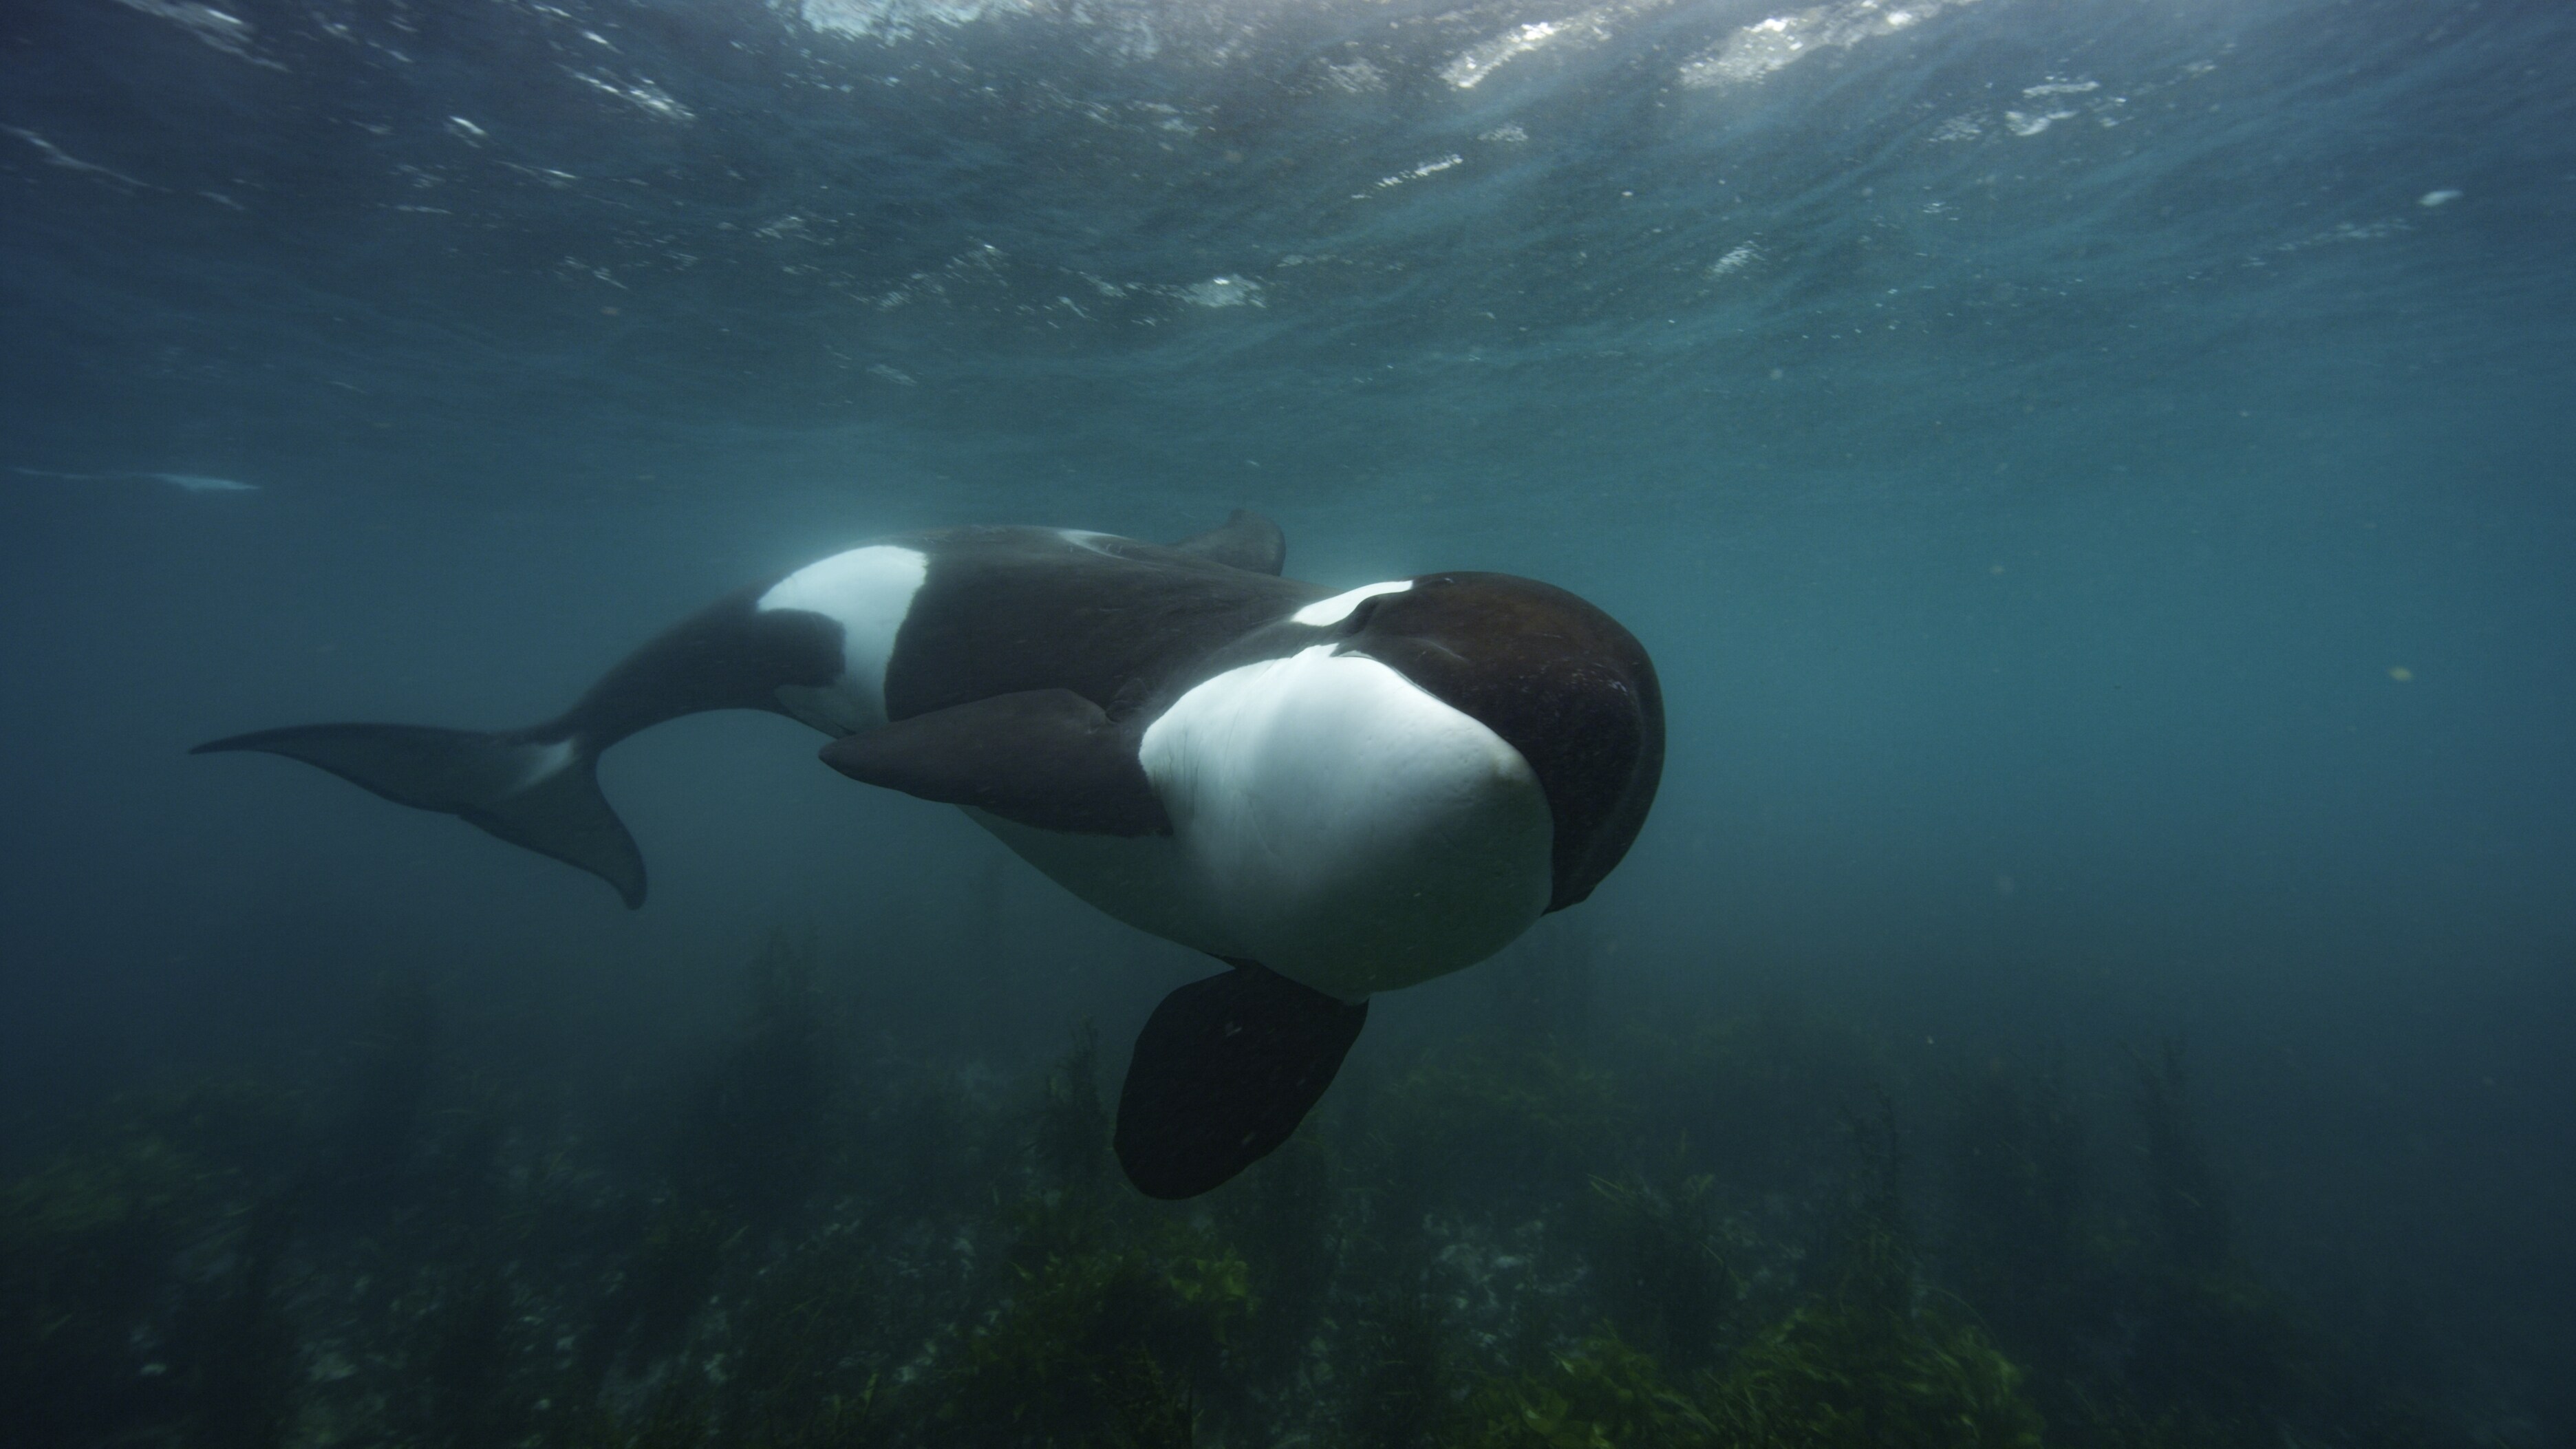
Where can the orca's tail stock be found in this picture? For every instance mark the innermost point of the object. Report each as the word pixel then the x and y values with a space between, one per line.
pixel 537 788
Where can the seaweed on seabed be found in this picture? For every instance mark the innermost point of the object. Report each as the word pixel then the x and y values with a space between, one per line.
pixel 1755 1092
pixel 1103 1340
pixel 471 1315
pixel 1281 1216
pixel 1400 1368
pixel 2216 1351
pixel 1119 1324
pixel 1602 1394
pixel 1867 1362
pixel 2147 1331
pixel 360 1162
pixel 90 1238
pixel 1656 1256
pixel 925 1151
pixel 670 1276
pixel 1070 1139
pixel 235 1345
pixel 2019 1189
pixel 740 1156
pixel 747 1143
pixel 2191 1219
pixel 464 1364
pixel 1514 1127
pixel 799 1370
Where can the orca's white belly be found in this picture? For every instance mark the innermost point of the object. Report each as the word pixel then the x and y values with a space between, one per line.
pixel 1330 820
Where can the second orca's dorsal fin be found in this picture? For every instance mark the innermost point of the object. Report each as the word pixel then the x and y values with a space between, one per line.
pixel 1248 541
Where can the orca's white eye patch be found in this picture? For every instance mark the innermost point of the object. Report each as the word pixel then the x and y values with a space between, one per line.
pixel 1325 613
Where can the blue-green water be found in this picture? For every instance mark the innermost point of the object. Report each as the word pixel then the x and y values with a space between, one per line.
pixel 2093 477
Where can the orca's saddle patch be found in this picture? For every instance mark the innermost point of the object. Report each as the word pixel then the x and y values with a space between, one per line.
pixel 1225 1069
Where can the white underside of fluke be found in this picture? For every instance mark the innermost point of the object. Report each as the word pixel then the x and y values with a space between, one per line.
pixel 867 591
pixel 1330 820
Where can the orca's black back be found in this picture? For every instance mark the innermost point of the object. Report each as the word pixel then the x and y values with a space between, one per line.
pixel 1005 610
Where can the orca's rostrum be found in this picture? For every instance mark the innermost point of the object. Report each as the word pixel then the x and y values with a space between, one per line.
pixel 1335 793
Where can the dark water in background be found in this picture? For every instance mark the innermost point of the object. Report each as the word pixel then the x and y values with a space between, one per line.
pixel 2094 478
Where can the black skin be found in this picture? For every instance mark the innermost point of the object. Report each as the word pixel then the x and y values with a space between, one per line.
pixel 728 655
pixel 1126 625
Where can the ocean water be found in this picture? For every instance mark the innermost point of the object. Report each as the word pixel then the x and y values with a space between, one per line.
pixel 2093 476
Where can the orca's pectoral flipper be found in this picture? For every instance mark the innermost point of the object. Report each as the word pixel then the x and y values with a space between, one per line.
pixel 1045 757
pixel 1248 541
pixel 1225 1069
pixel 540 793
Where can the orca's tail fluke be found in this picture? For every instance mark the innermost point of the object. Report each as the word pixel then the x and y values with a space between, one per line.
pixel 528 789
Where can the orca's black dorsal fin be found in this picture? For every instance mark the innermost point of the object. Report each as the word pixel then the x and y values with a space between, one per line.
pixel 1224 1070
pixel 1248 541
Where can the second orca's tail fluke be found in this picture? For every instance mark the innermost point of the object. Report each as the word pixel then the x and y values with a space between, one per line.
pixel 539 792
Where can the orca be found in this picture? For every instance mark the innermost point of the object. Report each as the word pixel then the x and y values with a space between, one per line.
pixel 1336 793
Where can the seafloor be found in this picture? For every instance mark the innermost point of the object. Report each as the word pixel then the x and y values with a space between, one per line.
pixel 1545 1228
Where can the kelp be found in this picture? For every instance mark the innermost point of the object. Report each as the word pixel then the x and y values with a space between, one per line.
pixel 1102 1339
pixel 1873 1359
pixel 1282 1219
pixel 747 1141
pixel 2020 1180
pixel 1070 1139
pixel 1520 1238
pixel 233 1342
pixel 1657 1253
pixel 799 1375
pixel 1601 1394
pixel 365 1148
pixel 1400 1366
pixel 144 1207
pixel 1509 1123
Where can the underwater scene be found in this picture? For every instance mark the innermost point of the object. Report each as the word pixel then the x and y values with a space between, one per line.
pixel 1409 724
